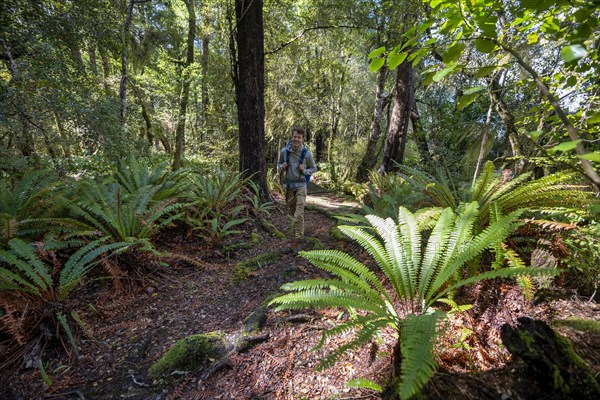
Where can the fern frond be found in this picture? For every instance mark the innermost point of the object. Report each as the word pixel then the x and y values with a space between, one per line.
pixel 435 250
pixel 483 182
pixel 348 269
pixel 499 273
pixel 25 259
pixel 370 328
pixel 417 335
pixel 411 242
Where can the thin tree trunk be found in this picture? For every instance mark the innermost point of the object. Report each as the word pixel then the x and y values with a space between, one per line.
pixel 204 64
pixel 586 165
pixel 23 142
pixel 123 84
pixel 335 118
pixel 369 161
pixel 105 69
pixel 484 139
pixel 64 137
pixel 185 88
pixel 250 91
pixel 508 120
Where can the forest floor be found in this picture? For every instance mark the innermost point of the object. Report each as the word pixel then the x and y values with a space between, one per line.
pixel 135 321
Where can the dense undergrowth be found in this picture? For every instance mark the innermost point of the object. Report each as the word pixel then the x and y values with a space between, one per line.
pixel 58 233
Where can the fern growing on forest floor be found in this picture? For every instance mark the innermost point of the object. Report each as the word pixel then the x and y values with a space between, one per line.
pixel 35 286
pixel 219 202
pixel 418 275
pixel 33 206
pixel 123 217
pixel 551 192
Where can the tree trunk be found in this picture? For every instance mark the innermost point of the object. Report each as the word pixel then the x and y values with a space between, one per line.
pixel 484 139
pixel 336 110
pixel 64 137
pixel 398 127
pixel 185 88
pixel 586 165
pixel 508 120
pixel 369 161
pixel 23 142
pixel 205 98
pixel 250 91
pixel 123 84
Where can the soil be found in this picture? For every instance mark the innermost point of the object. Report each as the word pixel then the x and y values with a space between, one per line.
pixel 135 319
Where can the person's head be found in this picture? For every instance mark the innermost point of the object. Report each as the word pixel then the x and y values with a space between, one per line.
pixel 297 137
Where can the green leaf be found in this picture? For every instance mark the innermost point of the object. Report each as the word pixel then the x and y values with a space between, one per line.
pixel 572 81
pixel 474 90
pixel 595 156
pixel 377 52
pixel 535 134
pixel 363 383
pixel 565 146
pixel 594 119
pixel 395 59
pixel 484 45
pixel 573 52
pixel 466 100
pixel 532 38
pixel 376 64
pixel 442 74
pixel 485 71
pixel 454 53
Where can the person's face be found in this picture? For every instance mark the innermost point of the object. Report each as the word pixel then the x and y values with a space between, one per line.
pixel 296 140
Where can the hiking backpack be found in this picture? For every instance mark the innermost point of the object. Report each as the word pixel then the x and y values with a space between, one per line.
pixel 302 155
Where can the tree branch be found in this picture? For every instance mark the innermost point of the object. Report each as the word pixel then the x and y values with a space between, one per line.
pixel 283 45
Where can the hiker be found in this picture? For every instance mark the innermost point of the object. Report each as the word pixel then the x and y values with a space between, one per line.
pixel 298 163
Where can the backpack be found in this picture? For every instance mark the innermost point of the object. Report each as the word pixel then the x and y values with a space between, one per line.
pixel 302 155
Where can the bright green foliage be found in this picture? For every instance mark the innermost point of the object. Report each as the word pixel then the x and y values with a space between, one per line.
pixel 133 175
pixel 547 193
pixel 418 276
pixel 32 207
pixel 125 217
pixel 36 284
pixel 218 203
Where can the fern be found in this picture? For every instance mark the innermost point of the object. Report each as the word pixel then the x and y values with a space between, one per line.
pixel 37 284
pixel 417 335
pixel 123 217
pixel 418 275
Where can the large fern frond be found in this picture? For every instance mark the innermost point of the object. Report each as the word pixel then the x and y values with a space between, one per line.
pixel 417 335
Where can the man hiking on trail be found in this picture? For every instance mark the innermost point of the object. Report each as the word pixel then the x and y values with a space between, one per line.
pixel 298 163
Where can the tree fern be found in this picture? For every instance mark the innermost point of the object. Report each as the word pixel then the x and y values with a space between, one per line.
pixel 418 276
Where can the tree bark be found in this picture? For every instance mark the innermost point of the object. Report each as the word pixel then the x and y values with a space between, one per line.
pixel 369 161
pixel 185 88
pixel 250 91
pixel 124 44
pixel 508 120
pixel 23 142
pixel 398 127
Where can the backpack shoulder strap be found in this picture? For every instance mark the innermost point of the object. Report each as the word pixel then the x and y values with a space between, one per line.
pixel 302 155
pixel 287 156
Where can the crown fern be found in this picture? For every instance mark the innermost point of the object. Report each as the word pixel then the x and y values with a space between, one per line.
pixel 418 276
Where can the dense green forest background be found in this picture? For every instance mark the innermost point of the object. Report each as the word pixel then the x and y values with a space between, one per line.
pixel 450 85
pixel 465 122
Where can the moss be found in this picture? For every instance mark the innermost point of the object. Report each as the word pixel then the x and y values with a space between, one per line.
pixel 314 243
pixel 189 354
pixel 243 269
pixel 269 227
pixel 579 324
pixel 254 241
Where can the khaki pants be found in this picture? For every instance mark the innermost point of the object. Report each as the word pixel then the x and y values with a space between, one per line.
pixel 295 200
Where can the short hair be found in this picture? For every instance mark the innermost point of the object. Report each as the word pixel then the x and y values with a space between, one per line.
pixel 298 129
